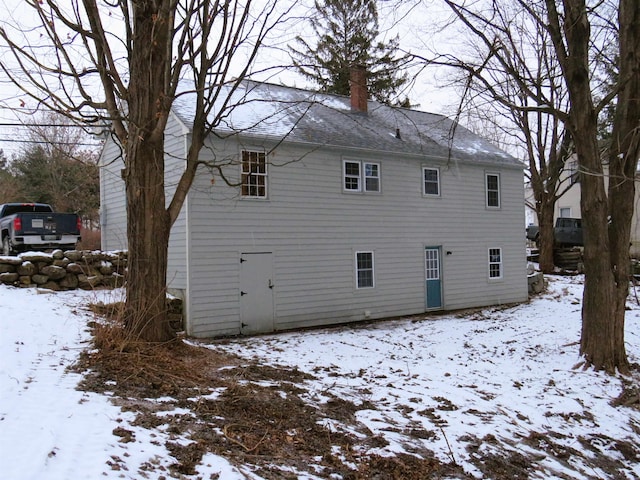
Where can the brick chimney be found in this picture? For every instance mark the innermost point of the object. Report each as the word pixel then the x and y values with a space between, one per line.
pixel 358 88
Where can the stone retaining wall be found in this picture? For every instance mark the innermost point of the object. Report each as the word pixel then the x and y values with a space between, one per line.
pixel 64 270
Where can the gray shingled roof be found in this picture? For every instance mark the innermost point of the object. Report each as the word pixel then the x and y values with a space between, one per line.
pixel 273 111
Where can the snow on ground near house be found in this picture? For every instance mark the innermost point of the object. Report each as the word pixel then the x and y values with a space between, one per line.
pixel 501 372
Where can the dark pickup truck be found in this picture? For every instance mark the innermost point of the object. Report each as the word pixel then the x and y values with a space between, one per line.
pixel 567 232
pixel 34 226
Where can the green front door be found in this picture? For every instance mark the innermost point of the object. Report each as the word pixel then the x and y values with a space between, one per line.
pixel 433 279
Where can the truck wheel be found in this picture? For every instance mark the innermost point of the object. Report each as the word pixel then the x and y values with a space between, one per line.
pixel 6 246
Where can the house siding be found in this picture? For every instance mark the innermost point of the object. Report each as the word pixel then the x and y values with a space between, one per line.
pixel 113 220
pixel 313 229
pixel 113 215
pixel 175 146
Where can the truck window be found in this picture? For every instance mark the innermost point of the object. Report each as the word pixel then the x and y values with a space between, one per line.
pixel 11 209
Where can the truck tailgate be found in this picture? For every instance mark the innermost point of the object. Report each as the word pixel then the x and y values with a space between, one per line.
pixel 49 224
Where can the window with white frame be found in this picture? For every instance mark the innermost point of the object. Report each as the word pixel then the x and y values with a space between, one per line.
pixel 431 181
pixel 352 176
pixel 364 269
pixel 254 174
pixel 565 212
pixel 574 172
pixel 361 176
pixel 371 177
pixel 495 263
pixel 492 181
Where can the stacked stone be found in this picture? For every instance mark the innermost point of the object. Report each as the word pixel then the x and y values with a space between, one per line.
pixel 64 270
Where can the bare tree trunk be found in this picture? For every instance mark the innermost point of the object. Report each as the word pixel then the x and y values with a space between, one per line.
pixel 623 161
pixel 546 240
pixel 599 298
pixel 148 220
pixel 148 238
pixel 606 264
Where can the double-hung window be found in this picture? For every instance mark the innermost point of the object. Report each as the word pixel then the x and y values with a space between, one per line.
pixel 495 263
pixel 431 181
pixel 254 174
pixel 364 269
pixel 361 176
pixel 371 177
pixel 492 181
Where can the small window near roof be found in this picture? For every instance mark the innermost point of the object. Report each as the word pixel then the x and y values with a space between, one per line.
pixel 361 176
pixel 493 190
pixel 352 176
pixel 431 181
pixel 254 174
pixel 371 177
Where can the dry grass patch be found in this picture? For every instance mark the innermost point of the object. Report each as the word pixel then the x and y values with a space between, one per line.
pixel 258 416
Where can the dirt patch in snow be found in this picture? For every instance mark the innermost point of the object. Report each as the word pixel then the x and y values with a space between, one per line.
pixel 269 420
pixel 253 415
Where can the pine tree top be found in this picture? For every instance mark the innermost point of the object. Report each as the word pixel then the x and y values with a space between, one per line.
pixel 344 35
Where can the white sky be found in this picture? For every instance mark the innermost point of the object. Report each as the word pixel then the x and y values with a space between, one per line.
pixel 412 20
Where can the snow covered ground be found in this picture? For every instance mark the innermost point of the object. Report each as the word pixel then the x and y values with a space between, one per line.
pixel 456 384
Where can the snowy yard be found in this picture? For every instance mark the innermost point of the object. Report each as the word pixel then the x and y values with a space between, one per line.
pixel 491 393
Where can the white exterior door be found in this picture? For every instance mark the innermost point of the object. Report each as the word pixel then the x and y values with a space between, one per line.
pixel 256 293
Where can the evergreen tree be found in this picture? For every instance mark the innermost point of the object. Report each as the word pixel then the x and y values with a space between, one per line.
pixel 8 185
pixel 345 34
pixel 69 184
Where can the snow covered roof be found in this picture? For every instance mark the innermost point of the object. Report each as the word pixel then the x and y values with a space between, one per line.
pixel 301 116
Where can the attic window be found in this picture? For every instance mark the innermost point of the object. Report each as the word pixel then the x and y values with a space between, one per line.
pixel 492 181
pixel 431 184
pixel 254 174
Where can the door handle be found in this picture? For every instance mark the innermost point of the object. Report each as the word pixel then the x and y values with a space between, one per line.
pixel 270 284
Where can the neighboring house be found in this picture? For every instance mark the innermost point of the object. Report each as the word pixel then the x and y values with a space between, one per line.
pixel 344 210
pixel 568 205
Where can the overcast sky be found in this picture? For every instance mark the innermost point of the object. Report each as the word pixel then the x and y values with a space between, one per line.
pixel 413 21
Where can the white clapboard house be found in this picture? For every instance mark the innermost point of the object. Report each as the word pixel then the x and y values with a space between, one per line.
pixel 343 209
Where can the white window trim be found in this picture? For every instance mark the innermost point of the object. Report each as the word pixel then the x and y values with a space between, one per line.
pixel 373 269
pixel 345 176
pixel 362 178
pixel 490 263
pixel 486 190
pixel 365 176
pixel 424 189
pixel 265 174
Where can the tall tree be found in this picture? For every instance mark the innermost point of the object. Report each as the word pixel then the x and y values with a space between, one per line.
pixel 606 215
pixel 56 167
pixel 576 30
pixel 124 62
pixel 69 184
pixel 8 184
pixel 510 80
pixel 345 35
